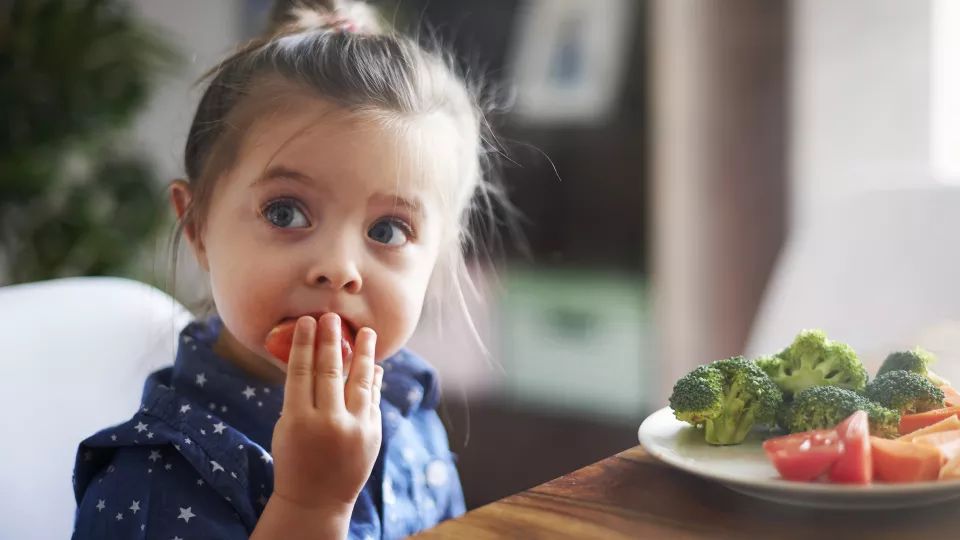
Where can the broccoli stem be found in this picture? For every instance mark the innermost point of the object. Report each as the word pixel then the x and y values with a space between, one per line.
pixel 734 423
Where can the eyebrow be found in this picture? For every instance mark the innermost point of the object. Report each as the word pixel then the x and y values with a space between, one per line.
pixel 282 173
pixel 413 205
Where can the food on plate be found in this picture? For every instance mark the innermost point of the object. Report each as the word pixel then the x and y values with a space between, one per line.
pixel 804 457
pixel 825 407
pixel 814 360
pixel 917 361
pixel 855 464
pixel 912 422
pixel 896 461
pixel 947 442
pixel 951 470
pixel 905 392
pixel 728 398
pixel 841 427
pixel 280 340
pixel 947 424
pixel 951 398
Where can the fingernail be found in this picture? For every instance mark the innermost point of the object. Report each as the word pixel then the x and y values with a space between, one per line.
pixel 332 323
pixel 304 323
pixel 368 337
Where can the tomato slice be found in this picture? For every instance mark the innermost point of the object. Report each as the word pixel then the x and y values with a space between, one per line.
pixel 280 340
pixel 804 457
pixel 855 464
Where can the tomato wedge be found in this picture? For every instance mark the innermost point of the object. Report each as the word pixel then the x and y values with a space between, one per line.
pixel 855 464
pixel 280 340
pixel 804 457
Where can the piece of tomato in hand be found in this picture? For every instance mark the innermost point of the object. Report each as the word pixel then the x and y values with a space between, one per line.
pixel 855 464
pixel 806 456
pixel 280 340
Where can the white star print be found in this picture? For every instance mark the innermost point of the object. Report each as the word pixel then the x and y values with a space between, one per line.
pixel 223 409
pixel 119 517
pixel 213 406
pixel 413 396
pixel 392 416
pixel 209 416
pixel 203 432
pixel 177 538
pixel 143 527
pixel 228 499
pixel 168 466
pixel 219 427
pixel 249 392
pixel 199 482
pixel 187 339
pixel 186 514
pixel 149 471
pixel 135 507
pixel 113 437
pixel 388 495
pixel 177 446
pixel 262 500
pixel 111 468
pixel 201 379
pixel 217 466
pixel 187 440
pixel 266 457
pixel 101 505
pixel 140 427
pixel 150 435
pixel 259 404
pixel 240 447
pixel 408 454
pixel 154 455
pixel 266 390
pixel 233 474
pixel 185 408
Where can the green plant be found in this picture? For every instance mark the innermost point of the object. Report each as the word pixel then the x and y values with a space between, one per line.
pixel 75 199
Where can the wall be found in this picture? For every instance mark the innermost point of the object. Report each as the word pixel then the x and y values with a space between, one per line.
pixel 861 97
pixel 204 32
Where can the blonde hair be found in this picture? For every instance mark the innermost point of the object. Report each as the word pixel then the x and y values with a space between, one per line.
pixel 342 52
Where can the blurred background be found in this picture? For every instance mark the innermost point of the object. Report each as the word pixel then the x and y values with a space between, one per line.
pixel 697 178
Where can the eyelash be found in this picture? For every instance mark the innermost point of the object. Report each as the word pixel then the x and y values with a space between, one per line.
pixel 407 228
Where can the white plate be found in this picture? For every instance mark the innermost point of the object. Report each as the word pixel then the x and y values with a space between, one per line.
pixel 745 468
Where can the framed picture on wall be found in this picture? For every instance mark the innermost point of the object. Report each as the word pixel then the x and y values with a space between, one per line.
pixel 568 59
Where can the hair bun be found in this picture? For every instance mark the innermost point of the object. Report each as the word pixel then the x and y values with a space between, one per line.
pixel 352 16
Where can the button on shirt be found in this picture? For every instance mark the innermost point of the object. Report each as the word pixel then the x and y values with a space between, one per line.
pixel 194 462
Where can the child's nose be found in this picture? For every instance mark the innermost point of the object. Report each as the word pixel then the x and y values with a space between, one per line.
pixel 338 274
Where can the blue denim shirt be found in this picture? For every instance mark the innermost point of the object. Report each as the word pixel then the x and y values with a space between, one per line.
pixel 194 462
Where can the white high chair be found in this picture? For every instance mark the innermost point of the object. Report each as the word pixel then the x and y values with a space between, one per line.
pixel 75 353
pixel 879 270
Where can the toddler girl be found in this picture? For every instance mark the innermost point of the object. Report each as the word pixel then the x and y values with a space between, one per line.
pixel 330 169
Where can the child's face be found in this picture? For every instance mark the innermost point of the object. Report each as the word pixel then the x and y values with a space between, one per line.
pixel 321 212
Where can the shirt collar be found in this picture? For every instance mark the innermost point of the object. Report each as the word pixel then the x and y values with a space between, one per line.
pixel 223 389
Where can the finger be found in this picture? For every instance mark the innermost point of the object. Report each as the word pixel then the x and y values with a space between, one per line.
pixel 360 382
pixel 377 385
pixel 298 392
pixel 328 383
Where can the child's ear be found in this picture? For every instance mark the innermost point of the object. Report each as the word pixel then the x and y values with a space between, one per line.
pixel 181 196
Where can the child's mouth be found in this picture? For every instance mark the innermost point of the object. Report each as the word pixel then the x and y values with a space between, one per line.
pixel 280 340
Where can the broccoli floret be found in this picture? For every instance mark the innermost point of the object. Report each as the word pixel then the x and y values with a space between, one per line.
pixel 905 391
pixel 917 361
pixel 814 360
pixel 726 397
pixel 824 407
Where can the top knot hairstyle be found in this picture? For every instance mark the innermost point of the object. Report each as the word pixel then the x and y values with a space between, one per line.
pixel 343 53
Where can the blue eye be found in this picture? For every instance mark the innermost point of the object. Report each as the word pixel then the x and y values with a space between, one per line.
pixel 285 214
pixel 390 231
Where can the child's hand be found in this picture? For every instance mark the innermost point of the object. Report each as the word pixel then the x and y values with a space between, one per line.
pixel 328 436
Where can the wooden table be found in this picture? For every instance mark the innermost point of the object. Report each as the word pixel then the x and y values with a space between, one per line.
pixel 632 495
